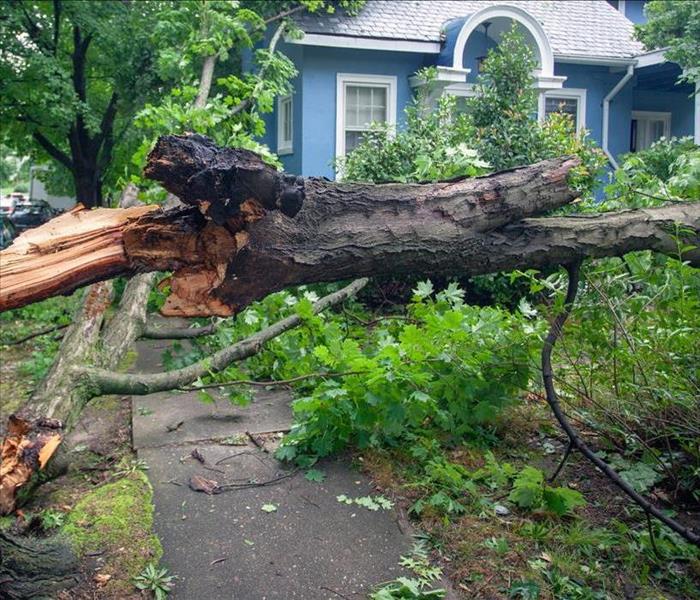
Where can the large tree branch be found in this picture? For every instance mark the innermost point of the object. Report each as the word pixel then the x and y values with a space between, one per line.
pixel 53 151
pixel 250 230
pixel 108 382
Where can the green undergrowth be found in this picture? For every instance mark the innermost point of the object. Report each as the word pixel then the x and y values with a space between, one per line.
pixel 490 525
pixel 117 519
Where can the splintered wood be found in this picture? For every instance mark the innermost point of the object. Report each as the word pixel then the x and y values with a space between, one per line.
pixel 71 250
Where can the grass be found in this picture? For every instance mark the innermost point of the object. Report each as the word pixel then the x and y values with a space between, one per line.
pixel 117 519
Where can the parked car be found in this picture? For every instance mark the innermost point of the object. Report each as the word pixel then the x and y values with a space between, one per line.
pixel 8 203
pixel 31 214
pixel 7 231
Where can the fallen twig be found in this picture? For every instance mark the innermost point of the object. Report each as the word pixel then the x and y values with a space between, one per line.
pixel 272 382
pixel 575 442
pixel 36 334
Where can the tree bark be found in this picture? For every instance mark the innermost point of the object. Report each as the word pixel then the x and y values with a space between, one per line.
pixel 35 568
pixel 248 230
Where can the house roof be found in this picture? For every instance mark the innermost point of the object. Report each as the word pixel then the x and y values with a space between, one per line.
pixel 586 29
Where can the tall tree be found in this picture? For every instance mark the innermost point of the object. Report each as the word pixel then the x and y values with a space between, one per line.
pixel 73 75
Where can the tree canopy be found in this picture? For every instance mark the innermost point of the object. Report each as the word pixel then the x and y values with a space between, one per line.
pixel 76 75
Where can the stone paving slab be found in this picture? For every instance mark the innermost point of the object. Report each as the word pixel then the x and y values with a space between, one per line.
pixel 179 418
pixel 312 547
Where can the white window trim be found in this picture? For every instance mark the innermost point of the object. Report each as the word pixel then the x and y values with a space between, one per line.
pixel 658 115
pixel 578 94
pixel 343 79
pixel 284 146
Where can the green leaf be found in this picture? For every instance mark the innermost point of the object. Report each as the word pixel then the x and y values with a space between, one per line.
pixel 315 475
pixel 268 508
pixel 562 500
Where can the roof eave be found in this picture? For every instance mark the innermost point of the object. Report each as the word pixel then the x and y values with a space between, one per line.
pixel 366 43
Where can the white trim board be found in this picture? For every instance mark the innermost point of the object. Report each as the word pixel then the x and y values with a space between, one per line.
pixel 365 43
pixel 343 79
pixel 285 146
pixel 656 57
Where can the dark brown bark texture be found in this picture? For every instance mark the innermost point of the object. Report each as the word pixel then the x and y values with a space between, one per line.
pixel 35 568
pixel 250 230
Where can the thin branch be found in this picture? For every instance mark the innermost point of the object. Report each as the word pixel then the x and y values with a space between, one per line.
pixel 272 382
pixel 36 334
pixel 241 106
pixel 285 13
pixel 574 439
pixel 108 382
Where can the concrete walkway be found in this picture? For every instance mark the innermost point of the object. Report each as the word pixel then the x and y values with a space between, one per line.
pixel 291 539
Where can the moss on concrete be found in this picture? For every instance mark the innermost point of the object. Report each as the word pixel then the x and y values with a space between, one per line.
pixel 117 519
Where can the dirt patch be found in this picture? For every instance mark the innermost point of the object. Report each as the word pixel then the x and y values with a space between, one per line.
pixel 603 551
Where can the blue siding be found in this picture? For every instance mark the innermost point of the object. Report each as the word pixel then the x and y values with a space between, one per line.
pixel 598 81
pixel 321 65
pixel 679 104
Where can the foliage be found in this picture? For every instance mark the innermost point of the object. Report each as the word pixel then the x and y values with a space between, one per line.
pixel 429 148
pixel 413 588
pixel 155 580
pixel 667 171
pixel 449 368
pixel 22 322
pixel 442 368
pixel 498 122
pixel 251 73
pixel 530 491
pixel 50 519
pixel 74 73
pixel 674 24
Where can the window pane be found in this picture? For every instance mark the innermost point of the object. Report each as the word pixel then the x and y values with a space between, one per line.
pixel 568 106
pixel 365 104
pixel 351 105
pixel 288 121
pixel 657 130
pixel 352 139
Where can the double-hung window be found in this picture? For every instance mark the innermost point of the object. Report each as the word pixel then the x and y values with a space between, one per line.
pixel 360 101
pixel 570 101
pixel 285 129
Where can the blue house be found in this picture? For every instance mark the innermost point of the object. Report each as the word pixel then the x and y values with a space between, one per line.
pixel 356 70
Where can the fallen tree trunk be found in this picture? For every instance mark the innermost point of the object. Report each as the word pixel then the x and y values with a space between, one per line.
pixel 35 568
pixel 249 230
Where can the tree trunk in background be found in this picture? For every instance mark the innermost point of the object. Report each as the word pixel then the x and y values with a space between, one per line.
pixel 88 186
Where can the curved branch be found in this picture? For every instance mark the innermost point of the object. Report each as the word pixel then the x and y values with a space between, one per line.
pixel 108 382
pixel 241 106
pixel 52 150
pixel 575 442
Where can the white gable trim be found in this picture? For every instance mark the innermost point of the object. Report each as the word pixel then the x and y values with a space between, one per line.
pixel 365 43
pixel 510 12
